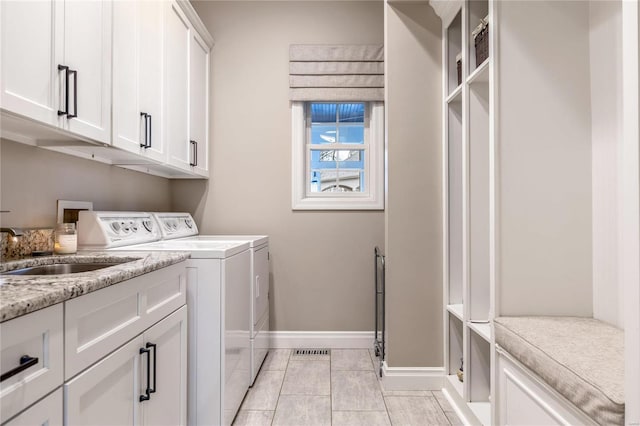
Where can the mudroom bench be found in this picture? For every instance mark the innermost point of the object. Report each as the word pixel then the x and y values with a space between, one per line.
pixel 559 370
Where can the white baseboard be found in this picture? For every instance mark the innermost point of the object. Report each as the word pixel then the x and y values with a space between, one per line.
pixel 321 339
pixel 412 378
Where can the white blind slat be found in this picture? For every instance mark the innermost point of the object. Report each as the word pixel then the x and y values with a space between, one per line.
pixel 336 72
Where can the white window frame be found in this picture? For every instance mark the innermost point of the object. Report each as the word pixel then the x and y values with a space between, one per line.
pixel 372 198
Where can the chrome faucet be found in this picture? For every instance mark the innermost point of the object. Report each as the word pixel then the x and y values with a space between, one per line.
pixel 14 232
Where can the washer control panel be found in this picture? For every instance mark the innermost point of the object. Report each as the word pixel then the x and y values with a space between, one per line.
pixel 176 225
pixel 116 229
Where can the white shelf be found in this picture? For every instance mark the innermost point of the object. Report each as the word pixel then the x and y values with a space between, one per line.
pixel 482 411
pixel 456 310
pixel 482 329
pixel 455 384
pixel 480 74
pixel 455 97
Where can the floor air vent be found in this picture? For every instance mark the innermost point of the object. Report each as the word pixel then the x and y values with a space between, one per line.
pixel 303 352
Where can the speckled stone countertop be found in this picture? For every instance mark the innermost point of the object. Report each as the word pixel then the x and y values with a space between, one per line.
pixel 21 294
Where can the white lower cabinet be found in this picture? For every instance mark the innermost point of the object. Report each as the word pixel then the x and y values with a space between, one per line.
pixel 107 392
pixel 46 412
pixel 142 383
pixel 167 342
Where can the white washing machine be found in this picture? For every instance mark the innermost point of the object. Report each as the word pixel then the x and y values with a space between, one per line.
pixel 259 342
pixel 217 301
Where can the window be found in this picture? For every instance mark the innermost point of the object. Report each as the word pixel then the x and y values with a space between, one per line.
pixel 337 155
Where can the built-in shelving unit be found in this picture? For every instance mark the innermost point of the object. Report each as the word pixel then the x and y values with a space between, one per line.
pixel 468 183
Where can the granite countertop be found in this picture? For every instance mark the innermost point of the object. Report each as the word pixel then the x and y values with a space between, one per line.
pixel 21 294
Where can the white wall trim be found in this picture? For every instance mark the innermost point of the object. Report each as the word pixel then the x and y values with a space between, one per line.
pixel 412 378
pixel 322 339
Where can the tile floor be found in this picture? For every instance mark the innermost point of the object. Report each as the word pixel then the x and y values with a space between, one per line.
pixel 337 389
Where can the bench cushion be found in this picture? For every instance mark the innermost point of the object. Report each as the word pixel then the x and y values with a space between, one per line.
pixel 581 358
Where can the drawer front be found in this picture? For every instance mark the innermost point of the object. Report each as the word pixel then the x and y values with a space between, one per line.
pixel 46 412
pixel 525 400
pixel 37 335
pixel 98 322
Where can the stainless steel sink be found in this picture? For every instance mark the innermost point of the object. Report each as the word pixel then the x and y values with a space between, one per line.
pixel 60 268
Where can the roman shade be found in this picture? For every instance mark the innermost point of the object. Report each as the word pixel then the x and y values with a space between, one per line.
pixel 336 72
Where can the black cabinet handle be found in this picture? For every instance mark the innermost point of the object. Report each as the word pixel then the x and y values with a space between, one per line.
pixel 149 127
pixel 66 89
pixel 155 363
pixel 147 394
pixel 146 130
pixel 26 361
pixel 194 144
pixel 75 94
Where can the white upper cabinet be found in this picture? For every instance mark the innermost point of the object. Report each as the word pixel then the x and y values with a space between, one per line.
pixel 56 58
pixel 137 77
pixel 128 74
pixel 32 35
pixel 87 53
pixel 199 104
pixel 176 86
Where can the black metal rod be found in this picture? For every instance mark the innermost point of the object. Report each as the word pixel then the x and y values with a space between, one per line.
pixel 66 89
pixel 155 363
pixel 26 361
pixel 75 94
pixel 147 394
pixel 195 150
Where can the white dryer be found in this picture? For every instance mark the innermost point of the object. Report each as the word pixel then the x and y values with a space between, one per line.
pixel 259 342
pixel 259 293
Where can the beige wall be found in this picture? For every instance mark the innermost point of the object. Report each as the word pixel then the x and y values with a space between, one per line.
pixel 413 44
pixel 33 179
pixel 321 262
pixel 544 162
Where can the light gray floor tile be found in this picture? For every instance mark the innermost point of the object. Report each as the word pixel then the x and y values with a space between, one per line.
pixel 277 359
pixel 253 418
pixel 355 391
pixel 447 408
pixel 453 418
pixel 360 418
pixel 299 410
pixel 351 359
pixel 415 410
pixel 307 378
pixel 264 393
pixel 405 393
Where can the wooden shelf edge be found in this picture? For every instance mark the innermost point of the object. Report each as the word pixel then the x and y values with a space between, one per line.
pixel 481 329
pixel 454 384
pixel 482 411
pixel 455 96
pixel 480 74
pixel 456 310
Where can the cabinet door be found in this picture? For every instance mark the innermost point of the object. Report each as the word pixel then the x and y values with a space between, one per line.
pixel 108 393
pixel 150 75
pixel 87 50
pixel 199 104
pixel 176 87
pixel 167 341
pixel 31 49
pixel 128 125
pixel 46 412
pixel 137 77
